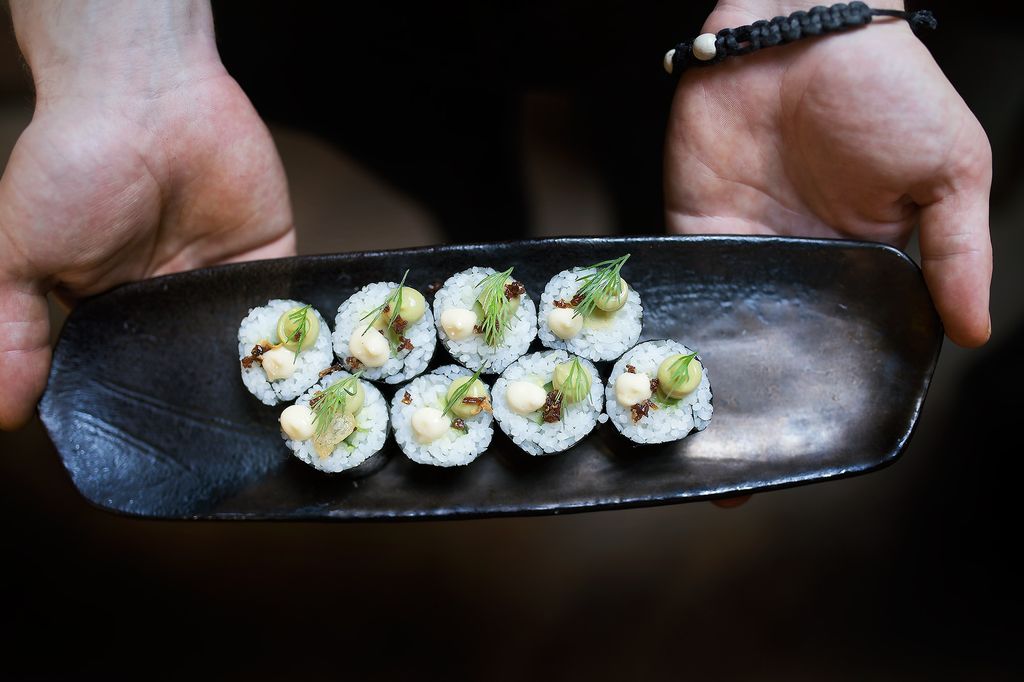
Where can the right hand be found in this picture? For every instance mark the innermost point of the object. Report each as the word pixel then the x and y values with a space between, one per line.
pixel 856 135
pixel 112 183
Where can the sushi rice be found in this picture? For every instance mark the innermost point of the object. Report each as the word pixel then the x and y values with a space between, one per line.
pixel 528 432
pixel 593 342
pixel 366 441
pixel 352 314
pixel 261 325
pixel 455 448
pixel 667 423
pixel 461 291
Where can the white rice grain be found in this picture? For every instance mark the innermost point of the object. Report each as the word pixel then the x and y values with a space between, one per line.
pixel 668 423
pixel 461 290
pixel 367 440
pixel 593 342
pixel 455 448
pixel 353 312
pixel 261 325
pixel 529 432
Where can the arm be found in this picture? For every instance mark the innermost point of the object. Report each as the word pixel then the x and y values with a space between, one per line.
pixel 855 135
pixel 143 157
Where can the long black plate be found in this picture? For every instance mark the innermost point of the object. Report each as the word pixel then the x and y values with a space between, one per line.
pixel 819 352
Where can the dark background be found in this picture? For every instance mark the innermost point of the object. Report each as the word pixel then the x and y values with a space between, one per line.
pixel 420 125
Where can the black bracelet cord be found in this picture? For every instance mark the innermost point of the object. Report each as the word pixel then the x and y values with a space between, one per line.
pixel 781 30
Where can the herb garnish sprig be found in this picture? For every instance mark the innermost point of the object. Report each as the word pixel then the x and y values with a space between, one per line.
pixel 299 320
pixel 679 371
pixel 329 402
pixel 575 384
pixel 604 281
pixel 496 307
pixel 394 300
pixel 679 374
pixel 460 393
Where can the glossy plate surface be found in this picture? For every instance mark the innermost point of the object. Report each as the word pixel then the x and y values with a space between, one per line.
pixel 819 353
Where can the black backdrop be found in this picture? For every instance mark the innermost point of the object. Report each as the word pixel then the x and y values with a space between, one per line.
pixel 907 572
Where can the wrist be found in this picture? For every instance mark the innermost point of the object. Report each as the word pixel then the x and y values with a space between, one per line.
pixel 733 13
pixel 115 47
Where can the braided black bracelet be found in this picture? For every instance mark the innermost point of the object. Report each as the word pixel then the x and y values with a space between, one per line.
pixel 711 48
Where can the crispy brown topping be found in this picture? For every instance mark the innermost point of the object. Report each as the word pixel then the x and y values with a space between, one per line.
pixel 477 329
pixel 407 399
pixel 640 410
pixel 315 400
pixel 399 325
pixel 254 355
pixel 404 344
pixel 514 290
pixel 654 385
pixel 336 367
pixel 434 286
pixel 297 335
pixel 460 425
pixel 575 301
pixel 353 363
pixel 631 369
pixel 483 402
pixel 552 410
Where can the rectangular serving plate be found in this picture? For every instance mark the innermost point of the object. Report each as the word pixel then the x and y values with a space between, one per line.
pixel 820 354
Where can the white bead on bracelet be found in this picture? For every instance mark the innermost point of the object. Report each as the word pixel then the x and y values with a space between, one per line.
pixel 703 48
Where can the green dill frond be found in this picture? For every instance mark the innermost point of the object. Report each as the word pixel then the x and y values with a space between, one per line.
pixel 496 307
pixel 575 384
pixel 679 371
pixel 460 393
pixel 331 401
pixel 301 323
pixel 395 303
pixel 604 281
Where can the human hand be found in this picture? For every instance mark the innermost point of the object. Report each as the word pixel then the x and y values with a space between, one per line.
pixel 143 158
pixel 856 135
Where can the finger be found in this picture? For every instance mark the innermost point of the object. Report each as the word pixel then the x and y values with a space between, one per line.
pixel 956 256
pixel 731 502
pixel 24 352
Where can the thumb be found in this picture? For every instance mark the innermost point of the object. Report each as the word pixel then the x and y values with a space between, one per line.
pixel 956 256
pixel 24 351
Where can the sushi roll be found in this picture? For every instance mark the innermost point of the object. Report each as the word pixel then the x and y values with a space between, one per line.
pixel 369 336
pixel 443 418
pixel 485 318
pixel 547 402
pixel 591 311
pixel 338 424
pixel 659 392
pixel 282 347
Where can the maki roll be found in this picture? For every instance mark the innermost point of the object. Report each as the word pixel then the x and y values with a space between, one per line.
pixel 547 402
pixel 591 311
pixel 336 425
pixel 659 392
pixel 282 346
pixel 443 418
pixel 386 331
pixel 485 318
